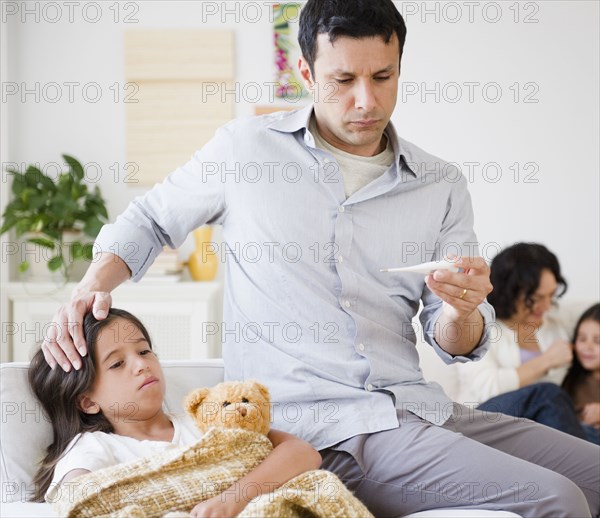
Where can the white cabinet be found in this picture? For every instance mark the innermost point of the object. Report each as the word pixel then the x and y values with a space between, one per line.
pixel 178 316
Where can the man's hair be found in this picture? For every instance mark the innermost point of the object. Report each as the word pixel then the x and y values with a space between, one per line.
pixel 353 18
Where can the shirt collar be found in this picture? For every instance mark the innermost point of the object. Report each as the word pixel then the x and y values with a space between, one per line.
pixel 299 119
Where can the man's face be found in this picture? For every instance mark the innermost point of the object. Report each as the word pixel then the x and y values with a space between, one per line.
pixel 355 86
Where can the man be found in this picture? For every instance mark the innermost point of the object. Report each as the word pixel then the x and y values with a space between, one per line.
pixel 330 195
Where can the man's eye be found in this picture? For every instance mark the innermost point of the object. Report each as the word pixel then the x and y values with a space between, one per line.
pixel 245 400
pixel 116 365
pixel 382 78
pixel 226 403
pixel 343 81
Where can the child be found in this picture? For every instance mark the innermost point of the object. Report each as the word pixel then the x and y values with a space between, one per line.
pixel 111 411
pixel 583 379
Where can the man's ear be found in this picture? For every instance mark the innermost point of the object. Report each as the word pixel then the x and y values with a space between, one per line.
pixel 85 404
pixel 305 73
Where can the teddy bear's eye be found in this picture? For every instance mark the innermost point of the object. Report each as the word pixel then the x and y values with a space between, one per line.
pixel 245 400
pixel 226 403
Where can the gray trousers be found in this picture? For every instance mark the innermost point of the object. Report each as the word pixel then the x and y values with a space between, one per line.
pixel 477 459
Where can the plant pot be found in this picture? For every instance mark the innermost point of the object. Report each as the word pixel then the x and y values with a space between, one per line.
pixel 38 257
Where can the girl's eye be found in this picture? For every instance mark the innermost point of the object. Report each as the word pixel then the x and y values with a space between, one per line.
pixel 226 403
pixel 116 365
pixel 146 351
pixel 245 400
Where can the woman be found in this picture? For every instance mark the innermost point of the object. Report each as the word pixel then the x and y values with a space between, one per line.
pixel 530 353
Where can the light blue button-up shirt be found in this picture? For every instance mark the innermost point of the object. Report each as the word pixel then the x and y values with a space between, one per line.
pixel 306 309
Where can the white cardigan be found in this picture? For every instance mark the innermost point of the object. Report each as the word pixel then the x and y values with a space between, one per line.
pixel 496 372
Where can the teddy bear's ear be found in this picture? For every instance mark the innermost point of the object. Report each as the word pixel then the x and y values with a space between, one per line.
pixel 264 391
pixel 194 400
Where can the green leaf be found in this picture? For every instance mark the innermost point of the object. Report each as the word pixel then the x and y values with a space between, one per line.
pixel 24 266
pixel 33 176
pixel 76 250
pixel 55 263
pixel 88 251
pixel 75 166
pixel 18 184
pixel 93 226
pixel 42 241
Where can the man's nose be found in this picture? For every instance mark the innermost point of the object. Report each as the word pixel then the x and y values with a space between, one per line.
pixel 364 96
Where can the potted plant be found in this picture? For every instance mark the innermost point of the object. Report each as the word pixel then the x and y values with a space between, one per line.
pixel 55 214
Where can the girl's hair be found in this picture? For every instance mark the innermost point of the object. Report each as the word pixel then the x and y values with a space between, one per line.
pixel 517 271
pixel 577 372
pixel 58 392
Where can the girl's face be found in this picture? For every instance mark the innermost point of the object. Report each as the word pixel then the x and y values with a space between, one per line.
pixel 129 385
pixel 542 301
pixel 587 345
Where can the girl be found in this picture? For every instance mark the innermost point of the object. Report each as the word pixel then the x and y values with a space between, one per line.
pixel 111 411
pixel 583 379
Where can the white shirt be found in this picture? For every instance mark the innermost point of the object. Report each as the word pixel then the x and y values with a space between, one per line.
pixel 496 372
pixel 305 307
pixel 97 450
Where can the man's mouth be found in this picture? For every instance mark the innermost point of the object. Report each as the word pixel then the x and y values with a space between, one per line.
pixel 364 123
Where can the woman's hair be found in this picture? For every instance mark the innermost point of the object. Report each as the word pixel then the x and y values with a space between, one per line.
pixel 58 392
pixel 517 271
pixel 577 372
pixel 356 19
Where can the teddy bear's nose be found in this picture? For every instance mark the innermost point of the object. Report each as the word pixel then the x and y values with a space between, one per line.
pixel 243 411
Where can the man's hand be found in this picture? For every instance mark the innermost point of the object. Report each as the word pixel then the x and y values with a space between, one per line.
pixel 462 292
pixel 64 337
pixel 459 328
pixel 105 273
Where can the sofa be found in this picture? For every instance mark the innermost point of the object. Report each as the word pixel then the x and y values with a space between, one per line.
pixel 25 433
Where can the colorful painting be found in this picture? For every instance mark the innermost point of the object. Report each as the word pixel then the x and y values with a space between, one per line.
pixel 287 51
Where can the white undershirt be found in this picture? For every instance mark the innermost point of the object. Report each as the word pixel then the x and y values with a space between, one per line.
pixel 357 171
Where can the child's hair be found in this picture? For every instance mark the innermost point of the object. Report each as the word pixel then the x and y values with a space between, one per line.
pixel 58 392
pixel 577 372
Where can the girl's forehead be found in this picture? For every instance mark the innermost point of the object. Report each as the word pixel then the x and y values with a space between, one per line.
pixel 119 331
pixel 590 325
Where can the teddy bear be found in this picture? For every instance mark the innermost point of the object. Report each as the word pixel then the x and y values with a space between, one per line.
pixel 231 404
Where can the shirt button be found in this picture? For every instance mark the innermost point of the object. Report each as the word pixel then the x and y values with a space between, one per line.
pixel 369 387
pixel 361 347
pixel 341 208
pixel 347 303
pixel 340 259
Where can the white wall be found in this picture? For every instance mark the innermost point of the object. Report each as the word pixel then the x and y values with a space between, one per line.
pixel 554 58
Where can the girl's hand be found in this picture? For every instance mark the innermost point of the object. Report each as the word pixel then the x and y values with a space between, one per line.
pixel 591 414
pixel 220 506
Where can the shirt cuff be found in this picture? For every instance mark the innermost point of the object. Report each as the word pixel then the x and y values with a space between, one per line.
pixel 118 239
pixel 489 322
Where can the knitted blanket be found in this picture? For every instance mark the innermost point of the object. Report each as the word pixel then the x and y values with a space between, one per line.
pixel 180 478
